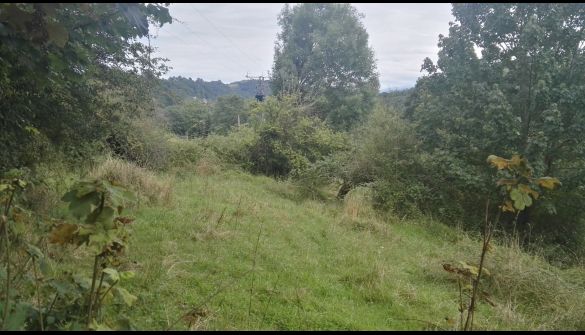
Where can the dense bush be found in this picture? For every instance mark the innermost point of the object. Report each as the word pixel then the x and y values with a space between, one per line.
pixel 289 140
pixel 522 94
pixel 63 70
pixel 233 148
pixel 142 142
pixel 191 118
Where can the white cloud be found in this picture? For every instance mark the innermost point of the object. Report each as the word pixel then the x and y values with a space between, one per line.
pixel 226 41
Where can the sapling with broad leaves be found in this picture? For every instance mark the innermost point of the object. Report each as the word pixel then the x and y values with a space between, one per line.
pixel 519 189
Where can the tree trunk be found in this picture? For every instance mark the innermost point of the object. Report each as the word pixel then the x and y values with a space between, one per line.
pixel 345 188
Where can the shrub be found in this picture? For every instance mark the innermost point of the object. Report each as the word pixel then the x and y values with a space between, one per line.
pixel 289 139
pixel 233 148
pixel 184 153
pixel 143 142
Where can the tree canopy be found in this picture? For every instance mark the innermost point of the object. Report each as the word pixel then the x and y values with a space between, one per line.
pixel 63 67
pixel 322 54
pixel 510 78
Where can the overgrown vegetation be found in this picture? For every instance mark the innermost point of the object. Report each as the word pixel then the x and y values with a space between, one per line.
pixel 325 265
pixel 522 94
pixel 324 206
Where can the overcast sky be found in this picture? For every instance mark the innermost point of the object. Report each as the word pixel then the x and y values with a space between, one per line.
pixel 226 41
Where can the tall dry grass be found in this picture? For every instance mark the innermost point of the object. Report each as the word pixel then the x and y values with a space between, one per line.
pixel 532 285
pixel 155 189
pixel 359 214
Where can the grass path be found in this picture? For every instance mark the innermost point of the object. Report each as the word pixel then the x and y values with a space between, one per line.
pixel 271 262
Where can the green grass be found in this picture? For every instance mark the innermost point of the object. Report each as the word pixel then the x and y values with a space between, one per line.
pixel 315 267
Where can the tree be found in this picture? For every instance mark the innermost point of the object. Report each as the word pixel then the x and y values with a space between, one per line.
pixel 524 93
pixel 64 67
pixel 322 54
pixel 189 119
pixel 228 111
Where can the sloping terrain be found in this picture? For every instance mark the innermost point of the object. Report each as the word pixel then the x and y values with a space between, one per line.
pixel 235 251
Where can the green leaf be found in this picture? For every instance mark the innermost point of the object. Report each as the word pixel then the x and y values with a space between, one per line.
pixel 63 288
pixel 124 324
pixel 83 206
pixel 4 187
pixel 124 275
pixel 85 187
pixel 521 199
pixel 119 194
pixel 69 196
pixel 472 269
pixel 128 298
pixel 32 130
pixel 45 267
pixel 18 227
pixel 21 183
pixel 105 216
pixel 112 273
pixel 34 251
pixel 86 230
pixel 17 318
pixel 99 326
pixel 82 281
pixel 100 239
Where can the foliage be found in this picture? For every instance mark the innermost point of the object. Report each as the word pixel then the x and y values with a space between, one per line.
pixel 193 118
pixel 229 111
pixel 322 54
pixel 509 78
pixel 385 154
pixel 175 90
pixel 54 59
pixel 143 142
pixel 33 287
pixel 233 148
pixel 288 138
pixel 520 188
pixel 395 99
pixel 184 153
pixel 189 119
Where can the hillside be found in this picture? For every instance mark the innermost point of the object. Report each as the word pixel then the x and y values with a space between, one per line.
pixel 244 253
pixel 176 89
pixel 308 200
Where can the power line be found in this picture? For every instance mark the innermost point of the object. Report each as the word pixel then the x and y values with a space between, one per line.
pixel 231 57
pixel 234 66
pixel 229 39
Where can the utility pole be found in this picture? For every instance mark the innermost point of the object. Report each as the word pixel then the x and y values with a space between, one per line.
pixel 259 87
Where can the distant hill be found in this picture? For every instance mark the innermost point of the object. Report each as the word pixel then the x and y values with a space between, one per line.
pixel 396 98
pixel 176 89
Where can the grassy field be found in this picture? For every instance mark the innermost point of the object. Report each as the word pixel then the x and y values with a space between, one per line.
pixel 234 251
